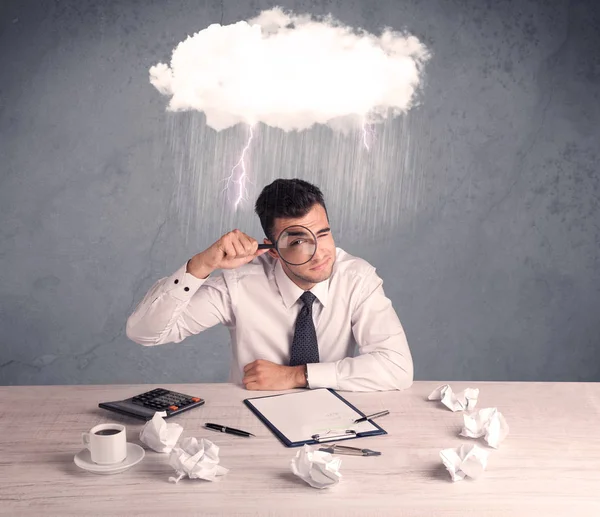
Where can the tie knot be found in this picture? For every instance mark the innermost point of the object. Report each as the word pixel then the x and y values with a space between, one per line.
pixel 308 298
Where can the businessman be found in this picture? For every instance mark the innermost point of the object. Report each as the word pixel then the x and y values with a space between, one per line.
pixel 293 323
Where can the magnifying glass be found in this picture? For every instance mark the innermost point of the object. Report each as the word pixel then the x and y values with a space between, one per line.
pixel 296 245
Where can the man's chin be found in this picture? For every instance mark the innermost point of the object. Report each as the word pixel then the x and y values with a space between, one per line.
pixel 313 277
pixel 321 276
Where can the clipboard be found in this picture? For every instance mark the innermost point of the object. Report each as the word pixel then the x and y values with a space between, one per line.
pixel 311 417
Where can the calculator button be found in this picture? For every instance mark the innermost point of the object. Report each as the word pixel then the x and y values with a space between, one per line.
pixel 195 399
pixel 173 408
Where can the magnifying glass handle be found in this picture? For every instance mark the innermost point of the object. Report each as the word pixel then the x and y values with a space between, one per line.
pixel 266 246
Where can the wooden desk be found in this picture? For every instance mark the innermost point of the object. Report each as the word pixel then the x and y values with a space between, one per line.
pixel 548 465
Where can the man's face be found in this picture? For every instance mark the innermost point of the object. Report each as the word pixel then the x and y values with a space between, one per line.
pixel 319 268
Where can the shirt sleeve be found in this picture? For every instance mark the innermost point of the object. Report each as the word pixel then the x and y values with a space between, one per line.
pixel 384 361
pixel 179 306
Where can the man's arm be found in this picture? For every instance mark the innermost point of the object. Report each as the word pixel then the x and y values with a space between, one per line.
pixel 189 302
pixel 385 362
pixel 179 306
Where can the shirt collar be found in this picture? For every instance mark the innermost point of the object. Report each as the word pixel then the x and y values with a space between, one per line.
pixel 290 292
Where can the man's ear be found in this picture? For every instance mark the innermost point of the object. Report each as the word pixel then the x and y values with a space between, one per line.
pixel 271 252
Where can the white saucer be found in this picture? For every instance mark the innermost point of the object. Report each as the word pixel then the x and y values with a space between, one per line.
pixel 135 454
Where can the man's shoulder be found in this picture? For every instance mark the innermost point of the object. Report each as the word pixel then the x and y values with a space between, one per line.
pixel 350 265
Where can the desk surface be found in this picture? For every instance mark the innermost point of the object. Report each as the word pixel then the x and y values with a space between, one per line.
pixel 548 465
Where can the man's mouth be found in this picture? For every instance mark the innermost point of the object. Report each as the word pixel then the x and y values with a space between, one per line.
pixel 320 266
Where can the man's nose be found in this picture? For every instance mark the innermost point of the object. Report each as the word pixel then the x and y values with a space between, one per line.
pixel 319 254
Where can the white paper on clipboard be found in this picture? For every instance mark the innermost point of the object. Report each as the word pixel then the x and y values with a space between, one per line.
pixel 303 414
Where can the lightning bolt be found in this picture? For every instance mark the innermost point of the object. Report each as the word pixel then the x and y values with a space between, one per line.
pixel 240 181
pixel 367 130
pixel 364 128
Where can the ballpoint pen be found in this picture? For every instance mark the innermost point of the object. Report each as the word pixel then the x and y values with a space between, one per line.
pixel 228 430
pixel 370 417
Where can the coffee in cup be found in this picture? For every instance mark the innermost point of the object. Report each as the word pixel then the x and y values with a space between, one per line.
pixel 107 443
pixel 107 432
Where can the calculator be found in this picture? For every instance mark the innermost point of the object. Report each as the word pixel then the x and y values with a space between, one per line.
pixel 146 404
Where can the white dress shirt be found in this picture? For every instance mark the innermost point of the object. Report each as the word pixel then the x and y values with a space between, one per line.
pixel 259 305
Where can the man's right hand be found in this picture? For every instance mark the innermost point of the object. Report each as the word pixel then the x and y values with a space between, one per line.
pixel 231 251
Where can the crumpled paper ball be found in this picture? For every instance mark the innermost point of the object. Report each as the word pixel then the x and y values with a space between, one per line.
pixel 159 435
pixel 197 460
pixel 466 460
pixel 466 399
pixel 319 469
pixel 489 423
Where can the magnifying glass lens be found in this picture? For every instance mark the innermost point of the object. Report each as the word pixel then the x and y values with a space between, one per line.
pixel 297 245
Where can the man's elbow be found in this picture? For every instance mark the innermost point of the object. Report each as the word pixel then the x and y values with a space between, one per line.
pixel 402 374
pixel 404 378
pixel 137 337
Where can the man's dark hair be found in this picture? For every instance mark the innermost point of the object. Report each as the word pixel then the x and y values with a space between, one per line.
pixel 287 198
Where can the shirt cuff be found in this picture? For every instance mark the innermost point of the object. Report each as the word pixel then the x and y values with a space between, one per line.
pixel 182 285
pixel 322 375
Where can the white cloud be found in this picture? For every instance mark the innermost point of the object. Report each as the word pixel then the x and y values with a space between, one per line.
pixel 292 71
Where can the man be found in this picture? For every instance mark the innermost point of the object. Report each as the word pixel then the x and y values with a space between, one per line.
pixel 291 326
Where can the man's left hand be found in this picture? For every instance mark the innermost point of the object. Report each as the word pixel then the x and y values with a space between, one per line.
pixel 265 375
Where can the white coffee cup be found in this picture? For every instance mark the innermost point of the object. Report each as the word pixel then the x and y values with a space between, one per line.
pixel 107 443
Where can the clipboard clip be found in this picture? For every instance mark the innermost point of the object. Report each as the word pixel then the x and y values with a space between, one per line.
pixel 326 437
pixel 353 451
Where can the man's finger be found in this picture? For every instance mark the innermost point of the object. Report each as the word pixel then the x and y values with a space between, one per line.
pixel 238 245
pixel 242 240
pixel 250 378
pixel 248 243
pixel 249 366
pixel 229 249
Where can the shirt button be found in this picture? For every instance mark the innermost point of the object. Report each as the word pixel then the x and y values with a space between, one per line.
pixel 186 288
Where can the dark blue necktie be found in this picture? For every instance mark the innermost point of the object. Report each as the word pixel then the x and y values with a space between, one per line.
pixel 305 349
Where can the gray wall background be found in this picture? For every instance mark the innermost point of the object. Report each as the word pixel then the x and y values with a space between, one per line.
pixel 495 276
